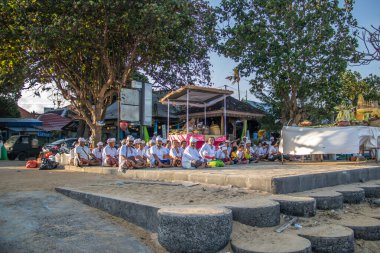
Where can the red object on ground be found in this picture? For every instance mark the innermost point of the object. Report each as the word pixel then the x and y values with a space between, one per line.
pixel 48 154
pixel 199 137
pixel 31 164
pixel 123 125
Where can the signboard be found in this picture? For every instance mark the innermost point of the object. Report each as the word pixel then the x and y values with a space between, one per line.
pixel 130 105
pixel 136 103
pixel 147 104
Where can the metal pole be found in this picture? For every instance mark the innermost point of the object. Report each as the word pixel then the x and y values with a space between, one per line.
pixel 225 116
pixel 187 111
pixel 118 117
pixel 167 135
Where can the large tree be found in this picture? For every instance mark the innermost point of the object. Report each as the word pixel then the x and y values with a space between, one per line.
pixel 89 49
pixel 294 51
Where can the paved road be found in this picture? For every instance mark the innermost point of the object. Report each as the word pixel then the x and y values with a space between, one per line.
pixel 41 221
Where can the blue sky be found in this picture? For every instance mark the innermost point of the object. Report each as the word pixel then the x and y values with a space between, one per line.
pixel 365 11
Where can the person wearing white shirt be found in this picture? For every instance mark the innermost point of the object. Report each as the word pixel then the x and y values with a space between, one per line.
pixel 273 153
pixel 221 154
pixel 110 155
pixel 128 157
pixel 207 151
pixel 160 154
pixel 97 152
pixel 72 152
pixel 141 152
pixel 83 156
pixel 263 151
pixel 176 153
pixel 191 157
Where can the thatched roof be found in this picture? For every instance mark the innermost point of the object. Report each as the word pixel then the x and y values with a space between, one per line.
pixel 235 108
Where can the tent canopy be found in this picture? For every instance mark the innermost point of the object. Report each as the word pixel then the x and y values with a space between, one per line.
pixel 198 96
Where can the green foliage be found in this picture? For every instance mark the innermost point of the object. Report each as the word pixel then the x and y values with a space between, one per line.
pixel 352 86
pixel 294 51
pixel 90 49
pixel 8 107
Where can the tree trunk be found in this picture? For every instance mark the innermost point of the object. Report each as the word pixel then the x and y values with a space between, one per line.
pixel 96 133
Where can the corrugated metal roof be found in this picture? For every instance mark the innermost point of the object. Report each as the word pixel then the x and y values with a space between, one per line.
pixel 23 129
pixel 53 122
pixel 18 122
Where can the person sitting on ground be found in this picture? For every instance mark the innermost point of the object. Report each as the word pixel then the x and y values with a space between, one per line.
pixel 148 153
pixel 176 154
pixel 191 157
pixel 183 145
pixel 97 152
pixel 136 143
pixel 207 151
pixel 227 144
pixel 83 154
pixel 141 151
pixel 233 156
pixel 250 152
pixel 110 156
pixel 262 151
pixel 128 157
pixel 273 153
pixel 167 144
pixel 241 154
pixel 160 154
pixel 72 152
pixel 221 154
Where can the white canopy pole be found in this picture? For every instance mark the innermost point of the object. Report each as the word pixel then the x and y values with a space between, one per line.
pixel 167 135
pixel 205 115
pixel 187 111
pixel 225 116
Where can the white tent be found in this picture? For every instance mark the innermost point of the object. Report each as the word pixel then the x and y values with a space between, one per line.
pixel 328 140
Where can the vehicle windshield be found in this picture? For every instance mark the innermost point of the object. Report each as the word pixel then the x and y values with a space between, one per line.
pixel 12 140
pixel 57 142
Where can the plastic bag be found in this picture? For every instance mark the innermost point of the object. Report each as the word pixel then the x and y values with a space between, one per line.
pixel 31 164
pixel 48 164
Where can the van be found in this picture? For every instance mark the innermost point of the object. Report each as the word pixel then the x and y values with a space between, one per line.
pixel 22 147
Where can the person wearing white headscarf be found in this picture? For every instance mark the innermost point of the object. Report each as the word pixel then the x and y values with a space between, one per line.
pixel 221 154
pixel 141 152
pixel 83 156
pixel 208 151
pixel 191 157
pixel 97 152
pixel 160 154
pixel 128 157
pixel 110 156
pixel 176 153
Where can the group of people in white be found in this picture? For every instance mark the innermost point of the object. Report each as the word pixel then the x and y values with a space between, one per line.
pixel 159 152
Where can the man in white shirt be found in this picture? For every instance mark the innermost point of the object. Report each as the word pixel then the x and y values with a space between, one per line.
pixel 207 151
pixel 221 154
pixel 263 151
pixel 191 157
pixel 160 154
pixel 176 153
pixel 141 152
pixel 273 153
pixel 128 157
pixel 72 152
pixel 83 156
pixel 110 156
pixel 98 151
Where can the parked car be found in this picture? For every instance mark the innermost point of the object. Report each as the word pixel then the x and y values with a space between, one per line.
pixel 54 147
pixel 22 147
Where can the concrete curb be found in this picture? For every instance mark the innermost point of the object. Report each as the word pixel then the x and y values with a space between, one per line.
pixel 259 213
pixel 324 240
pixel 369 229
pixel 92 169
pixel 194 229
pixel 327 200
pixel 296 206
pixel 140 214
pixel 351 195
pixel 371 191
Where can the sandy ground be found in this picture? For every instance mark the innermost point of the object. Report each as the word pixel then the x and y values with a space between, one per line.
pixel 15 178
pixel 165 194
